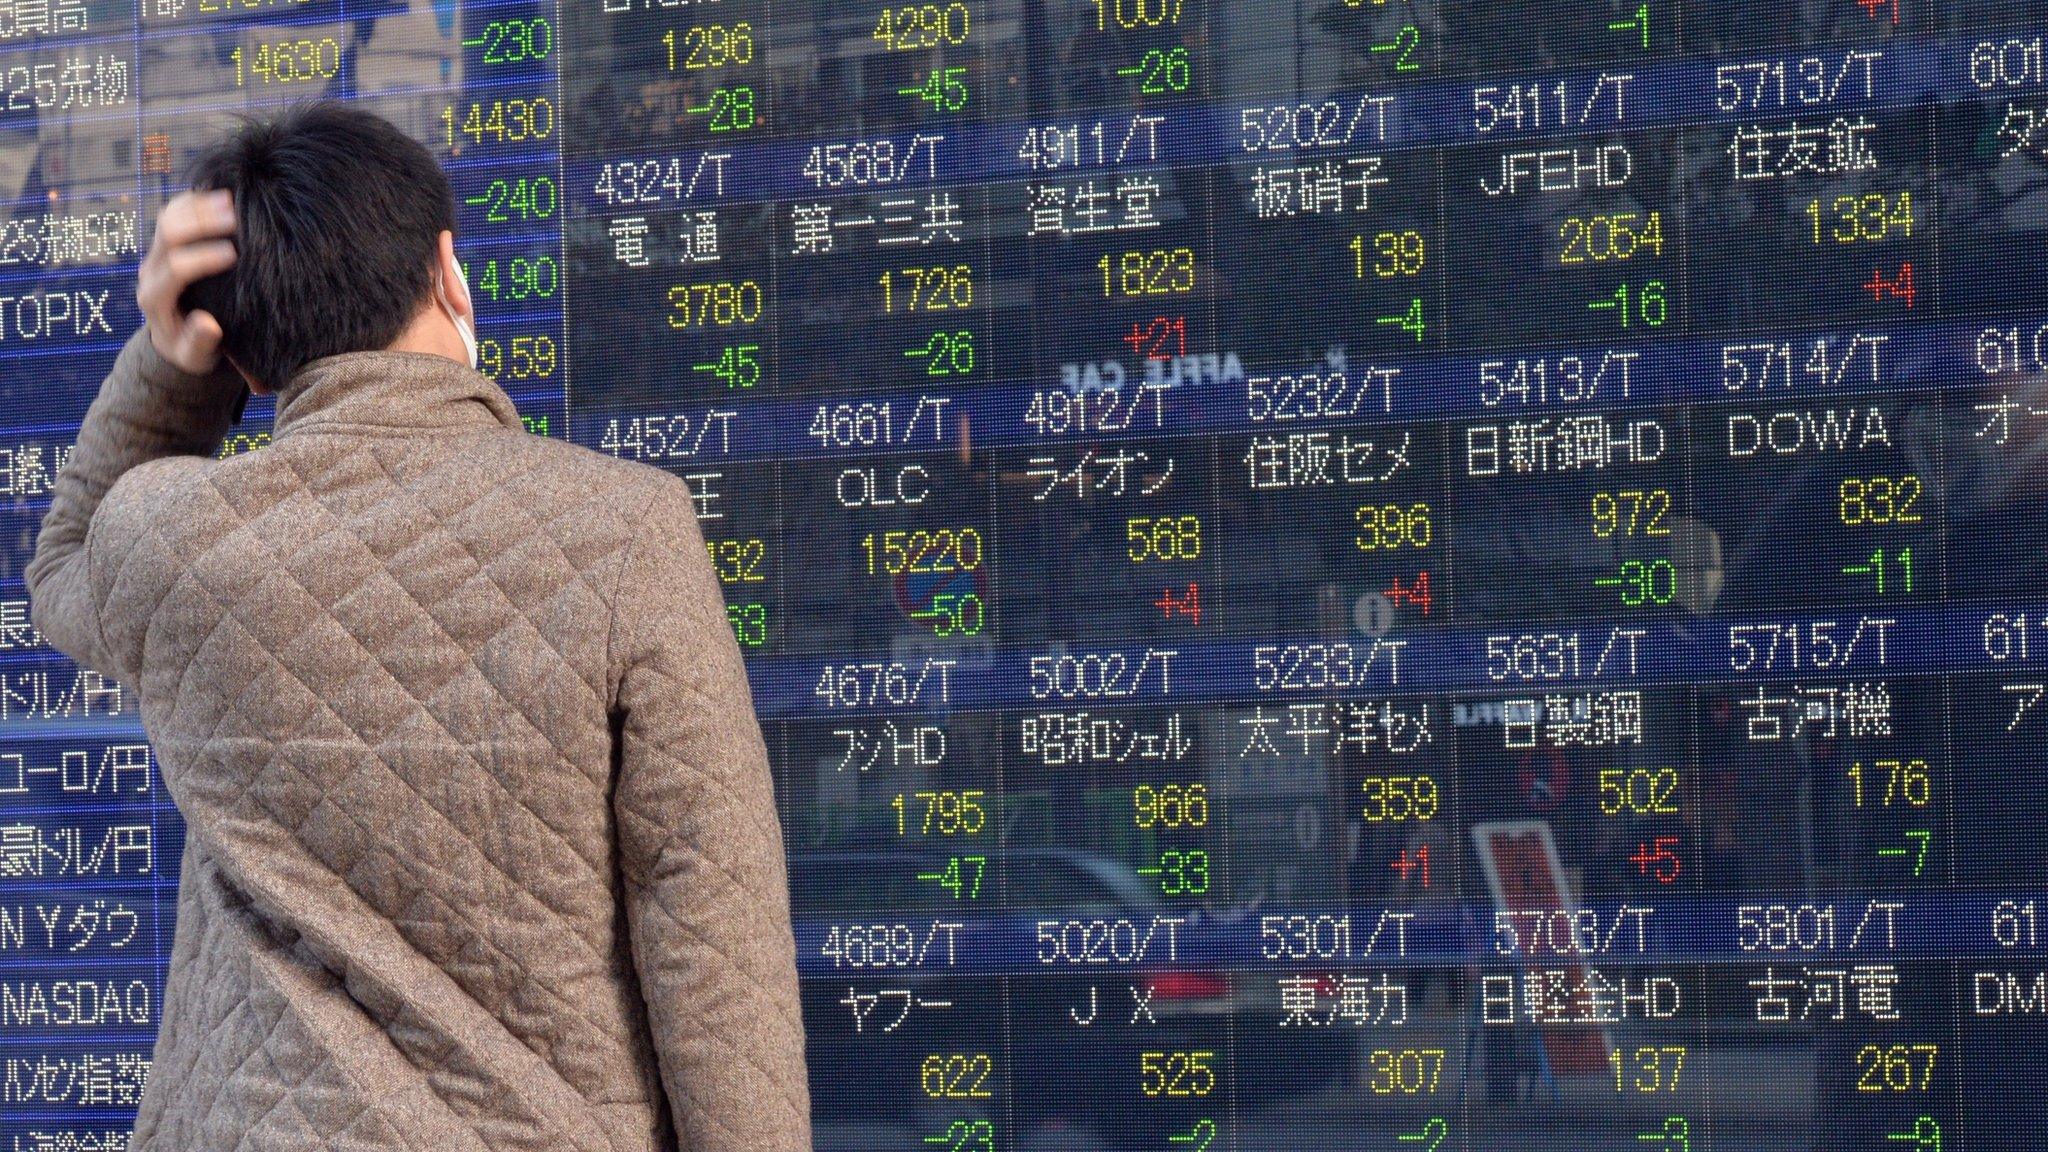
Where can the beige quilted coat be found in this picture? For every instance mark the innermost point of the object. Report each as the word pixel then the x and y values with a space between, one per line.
pixel 482 847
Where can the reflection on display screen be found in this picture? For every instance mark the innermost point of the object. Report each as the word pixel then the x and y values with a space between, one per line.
pixel 1383 575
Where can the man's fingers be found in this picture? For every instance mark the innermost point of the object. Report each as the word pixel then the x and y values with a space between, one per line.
pixel 193 216
pixel 187 263
pixel 158 306
pixel 201 336
pixel 201 326
pixel 188 248
pixel 192 242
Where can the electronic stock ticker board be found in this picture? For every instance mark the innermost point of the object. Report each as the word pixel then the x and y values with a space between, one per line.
pixel 1394 575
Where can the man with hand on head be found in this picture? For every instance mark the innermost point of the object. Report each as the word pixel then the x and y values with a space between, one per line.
pixel 482 849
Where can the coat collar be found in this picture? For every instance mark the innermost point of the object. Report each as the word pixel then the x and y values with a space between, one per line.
pixel 400 391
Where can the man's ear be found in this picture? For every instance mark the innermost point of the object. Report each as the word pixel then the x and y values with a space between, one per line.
pixel 255 385
pixel 452 283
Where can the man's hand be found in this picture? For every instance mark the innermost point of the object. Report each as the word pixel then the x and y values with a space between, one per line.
pixel 193 241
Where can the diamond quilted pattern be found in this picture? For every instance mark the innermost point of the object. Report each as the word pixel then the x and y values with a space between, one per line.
pixel 426 901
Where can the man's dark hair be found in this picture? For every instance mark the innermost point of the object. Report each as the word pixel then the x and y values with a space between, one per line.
pixel 338 214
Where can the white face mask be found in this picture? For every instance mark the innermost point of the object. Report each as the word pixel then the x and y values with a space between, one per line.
pixel 462 327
